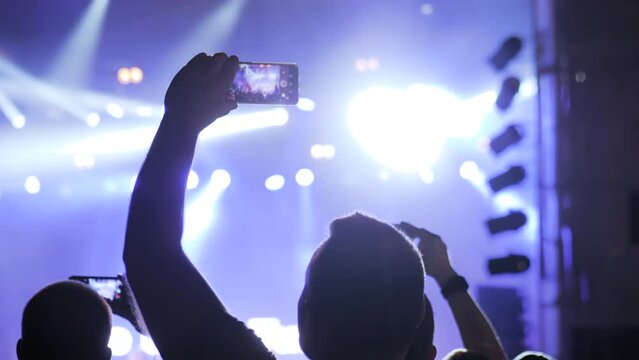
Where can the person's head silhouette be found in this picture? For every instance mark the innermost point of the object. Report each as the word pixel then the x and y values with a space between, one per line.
pixel 364 293
pixel 65 320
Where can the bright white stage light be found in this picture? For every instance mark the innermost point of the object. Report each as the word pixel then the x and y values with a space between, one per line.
pixel 115 110
pixel 124 76
pixel 32 185
pixel 427 176
pixel 148 346
pixel 93 119
pixel 317 151
pixel 11 111
pixel 144 111
pixel 306 104
pixel 469 170
pixel 84 161
pixel 18 121
pixel 304 177
pixel 329 151
pixel 220 179
pixel 280 339
pixel 125 141
pixel 121 341
pixel 274 182
pixel 136 75
pixel 427 9
pixel 403 130
pixel 192 181
pixel 383 175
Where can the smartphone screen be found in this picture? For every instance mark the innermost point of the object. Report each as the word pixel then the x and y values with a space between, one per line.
pixel 266 83
pixel 109 288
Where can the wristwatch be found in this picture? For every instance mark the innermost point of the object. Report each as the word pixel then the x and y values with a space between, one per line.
pixel 454 285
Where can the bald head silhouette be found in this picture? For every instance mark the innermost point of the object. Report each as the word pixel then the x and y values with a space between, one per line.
pixel 65 320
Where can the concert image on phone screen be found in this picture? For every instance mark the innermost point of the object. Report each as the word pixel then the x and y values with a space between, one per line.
pixel 107 288
pixel 265 83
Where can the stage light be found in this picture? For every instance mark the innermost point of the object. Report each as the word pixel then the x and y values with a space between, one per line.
pixel 509 264
pixel 220 179
pixel 507 52
pixel 137 75
pixel 404 130
pixel 11 111
pixel 513 221
pixel 509 88
pixel 75 61
pixel 383 175
pixel 322 151
pixel 115 110
pixel 317 151
pixel 469 171
pixel 509 137
pixel 144 111
pixel 427 176
pixel 581 77
pixel 274 182
pixel 427 9
pixel 192 180
pixel 148 346
pixel 364 65
pixel 18 121
pixel 121 341
pixel 246 122
pixel 32 185
pixel 84 161
pixel 124 76
pixel 304 177
pixel 513 176
pixel 329 151
pixel 93 119
pixel 306 104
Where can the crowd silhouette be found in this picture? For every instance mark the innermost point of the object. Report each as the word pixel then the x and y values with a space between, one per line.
pixel 363 297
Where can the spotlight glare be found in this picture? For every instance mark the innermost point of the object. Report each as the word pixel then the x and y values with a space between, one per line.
pixel 18 121
pixel 84 161
pixel 329 151
pixel 427 9
pixel 134 180
pixel 304 177
pixel 274 182
pixel 121 341
pixel 115 110
pixel 404 130
pixel 192 181
pixel 144 111
pixel 220 179
pixel 317 151
pixel 136 75
pixel 147 346
pixel 93 119
pixel 469 170
pixel 32 185
pixel 427 176
pixel 306 104
pixel 124 76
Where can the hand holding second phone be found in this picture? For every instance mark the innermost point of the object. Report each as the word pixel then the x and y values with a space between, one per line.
pixel 199 92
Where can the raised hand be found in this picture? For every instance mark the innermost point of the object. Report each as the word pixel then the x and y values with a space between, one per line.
pixel 199 92
pixel 433 250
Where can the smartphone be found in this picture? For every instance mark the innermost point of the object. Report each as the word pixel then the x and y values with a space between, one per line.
pixel 266 83
pixel 110 288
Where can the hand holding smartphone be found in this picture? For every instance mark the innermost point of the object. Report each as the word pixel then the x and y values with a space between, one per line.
pixel 266 83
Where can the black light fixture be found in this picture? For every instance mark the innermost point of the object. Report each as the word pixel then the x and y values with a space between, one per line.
pixel 509 264
pixel 509 137
pixel 512 176
pixel 513 221
pixel 509 88
pixel 508 50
